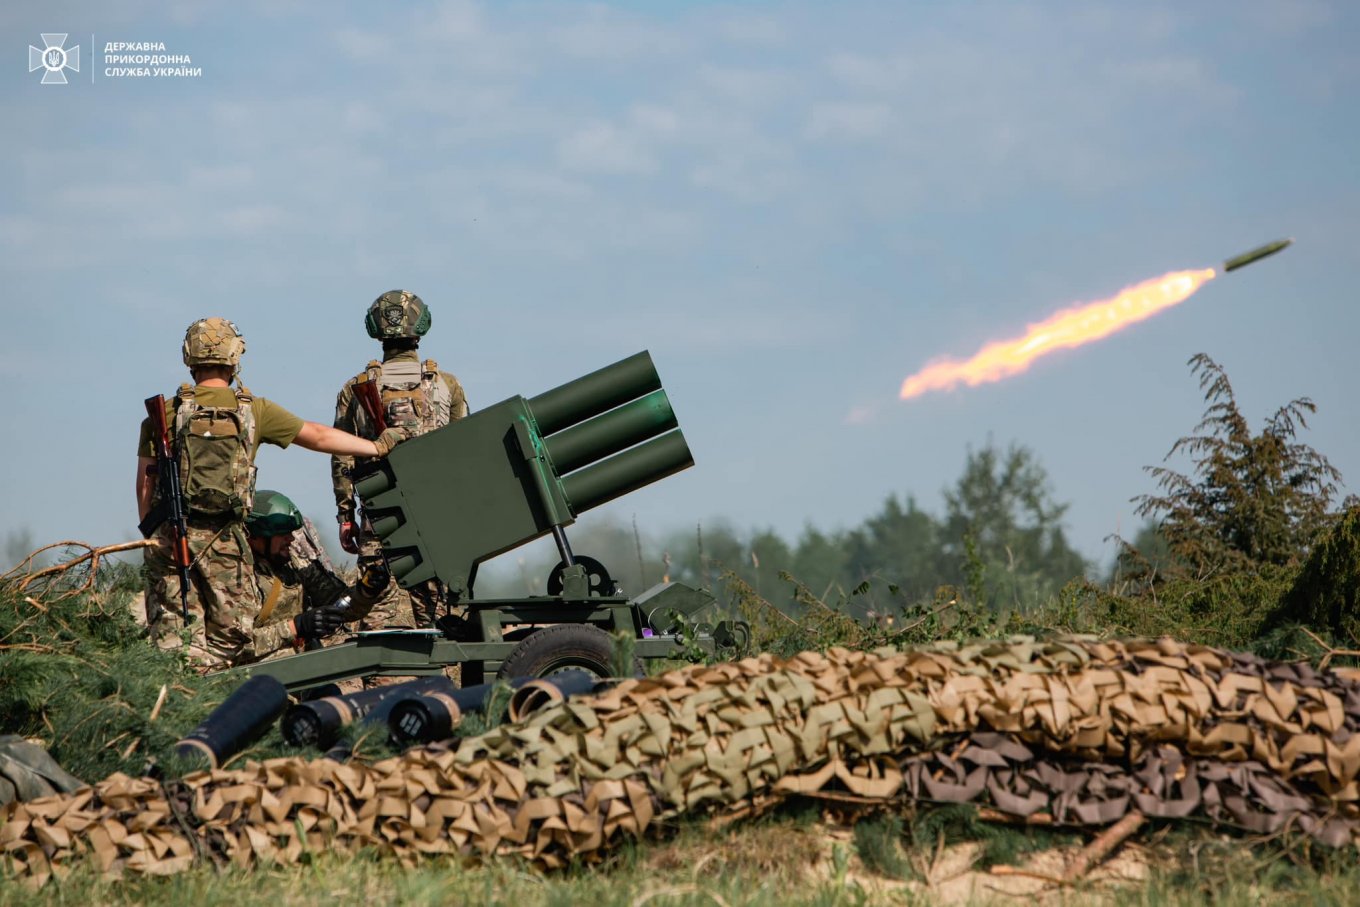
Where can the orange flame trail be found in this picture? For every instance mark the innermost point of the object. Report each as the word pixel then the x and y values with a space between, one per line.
pixel 1070 327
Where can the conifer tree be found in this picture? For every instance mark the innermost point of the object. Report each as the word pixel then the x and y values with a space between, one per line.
pixel 1250 499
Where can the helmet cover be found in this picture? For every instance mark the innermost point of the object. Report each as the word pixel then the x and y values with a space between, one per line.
pixel 397 314
pixel 213 341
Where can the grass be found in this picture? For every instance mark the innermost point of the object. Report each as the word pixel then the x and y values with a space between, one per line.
pixel 788 858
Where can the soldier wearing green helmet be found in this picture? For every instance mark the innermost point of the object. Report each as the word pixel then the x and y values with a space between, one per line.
pixel 411 393
pixel 214 432
pixel 302 597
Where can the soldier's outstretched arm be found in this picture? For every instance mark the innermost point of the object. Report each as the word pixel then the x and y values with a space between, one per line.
pixel 325 439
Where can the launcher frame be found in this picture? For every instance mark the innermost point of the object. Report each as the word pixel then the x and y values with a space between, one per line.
pixel 518 470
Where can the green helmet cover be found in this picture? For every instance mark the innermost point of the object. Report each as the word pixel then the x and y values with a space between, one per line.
pixel 273 513
pixel 397 314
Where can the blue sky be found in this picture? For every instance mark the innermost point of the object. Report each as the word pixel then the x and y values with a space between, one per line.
pixel 793 206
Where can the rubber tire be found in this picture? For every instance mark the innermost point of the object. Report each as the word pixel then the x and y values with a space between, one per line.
pixel 562 647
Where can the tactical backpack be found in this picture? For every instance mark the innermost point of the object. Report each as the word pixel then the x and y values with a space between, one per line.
pixel 216 450
pixel 413 393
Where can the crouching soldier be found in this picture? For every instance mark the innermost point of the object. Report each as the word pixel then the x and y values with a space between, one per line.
pixel 302 597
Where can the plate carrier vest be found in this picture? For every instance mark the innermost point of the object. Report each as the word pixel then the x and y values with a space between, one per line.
pixel 413 393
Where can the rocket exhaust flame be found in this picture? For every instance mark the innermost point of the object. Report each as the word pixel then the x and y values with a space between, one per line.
pixel 1068 328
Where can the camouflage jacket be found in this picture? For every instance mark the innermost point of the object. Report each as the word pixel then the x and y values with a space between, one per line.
pixel 306 580
pixel 351 417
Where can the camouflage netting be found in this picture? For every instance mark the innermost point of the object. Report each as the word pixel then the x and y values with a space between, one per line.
pixel 1081 730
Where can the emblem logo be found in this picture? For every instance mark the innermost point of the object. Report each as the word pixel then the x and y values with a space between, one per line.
pixel 52 58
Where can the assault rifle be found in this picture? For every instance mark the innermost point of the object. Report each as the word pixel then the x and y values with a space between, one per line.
pixel 170 505
pixel 370 399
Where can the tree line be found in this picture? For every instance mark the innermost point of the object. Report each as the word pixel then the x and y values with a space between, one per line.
pixel 1000 540
pixel 1224 545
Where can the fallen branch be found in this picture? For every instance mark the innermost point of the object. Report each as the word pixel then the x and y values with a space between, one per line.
pixel 28 647
pixel 1100 848
pixel 907 628
pixel 24 565
pixel 993 815
pixel 92 555
pixel 160 701
pixel 1331 651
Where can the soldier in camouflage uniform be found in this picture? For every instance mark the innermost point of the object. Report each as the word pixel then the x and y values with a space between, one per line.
pixel 302 597
pixel 415 395
pixel 215 432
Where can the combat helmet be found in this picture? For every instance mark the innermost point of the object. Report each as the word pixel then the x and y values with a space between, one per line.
pixel 273 513
pixel 213 341
pixel 397 314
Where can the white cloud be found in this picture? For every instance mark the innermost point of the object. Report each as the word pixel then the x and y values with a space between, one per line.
pixel 746 178
pixel 363 44
pixel 660 121
pixel 537 184
pixel 1278 19
pixel 220 176
pixel 603 33
pixel 754 30
pixel 253 220
pixel 849 121
pixel 456 20
pixel 729 322
pixel 744 85
pixel 871 73
pixel 359 116
pixel 607 149
pixel 1180 77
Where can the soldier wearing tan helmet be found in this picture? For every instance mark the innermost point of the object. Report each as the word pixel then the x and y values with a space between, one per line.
pixel 413 394
pixel 215 432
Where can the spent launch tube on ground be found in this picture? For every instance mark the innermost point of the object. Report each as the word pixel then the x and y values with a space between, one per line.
pixel 318 722
pixel 433 715
pixel 545 691
pixel 240 720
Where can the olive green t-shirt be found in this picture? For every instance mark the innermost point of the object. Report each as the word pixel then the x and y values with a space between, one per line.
pixel 273 424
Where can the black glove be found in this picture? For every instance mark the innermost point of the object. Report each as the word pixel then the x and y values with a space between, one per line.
pixel 373 580
pixel 318 623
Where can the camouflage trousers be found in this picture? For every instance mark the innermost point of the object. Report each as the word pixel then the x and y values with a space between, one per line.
pixel 223 598
pixel 417 607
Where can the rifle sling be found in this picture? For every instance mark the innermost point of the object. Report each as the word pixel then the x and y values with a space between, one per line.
pixel 270 601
